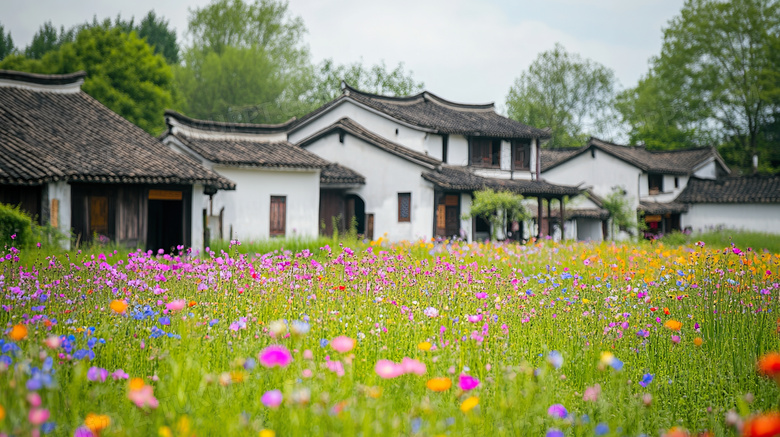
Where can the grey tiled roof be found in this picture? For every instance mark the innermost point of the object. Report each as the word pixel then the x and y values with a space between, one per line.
pixel 252 153
pixel 745 189
pixel 48 136
pixel 679 162
pixel 655 208
pixel 335 174
pixel 456 178
pixel 428 111
pixel 219 126
pixel 347 125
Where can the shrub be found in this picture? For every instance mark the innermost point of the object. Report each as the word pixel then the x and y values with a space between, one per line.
pixel 15 226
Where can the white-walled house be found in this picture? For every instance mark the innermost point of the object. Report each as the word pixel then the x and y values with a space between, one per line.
pixel 422 158
pixel 748 203
pixel 650 180
pixel 73 163
pixel 277 183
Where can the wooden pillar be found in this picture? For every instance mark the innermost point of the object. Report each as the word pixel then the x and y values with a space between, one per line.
pixel 563 220
pixel 549 218
pixel 539 213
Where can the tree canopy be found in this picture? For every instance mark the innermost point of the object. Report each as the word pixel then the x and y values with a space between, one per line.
pixel 123 73
pixel 498 208
pixel 572 96
pixel 716 81
pixel 376 79
pixel 6 43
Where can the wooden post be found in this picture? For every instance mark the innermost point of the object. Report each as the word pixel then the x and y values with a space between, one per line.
pixel 563 220
pixel 549 217
pixel 539 214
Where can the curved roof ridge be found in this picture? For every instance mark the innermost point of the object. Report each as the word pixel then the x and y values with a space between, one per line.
pixel 222 126
pixel 490 106
pixel 423 96
pixel 43 79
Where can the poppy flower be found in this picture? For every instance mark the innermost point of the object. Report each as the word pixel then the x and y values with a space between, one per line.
pixel 677 432
pixel 410 365
pixel 275 355
pixel 18 332
pixel 439 384
pixel 176 305
pixel 118 306
pixel 763 425
pixel 674 325
pixel 769 365
pixel 97 422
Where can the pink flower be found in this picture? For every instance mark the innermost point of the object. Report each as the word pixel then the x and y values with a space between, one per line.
pixel 272 398
pixel 38 416
pixel 275 355
pixel 675 339
pixel 592 393
pixel 176 305
pixel 342 344
pixel 53 342
pixel 336 367
pixel 34 399
pixel 119 374
pixel 308 354
pixel 306 373
pixel 143 397
pixel 475 319
pixel 387 369
pixel 97 374
pixel 467 382
pixel 410 365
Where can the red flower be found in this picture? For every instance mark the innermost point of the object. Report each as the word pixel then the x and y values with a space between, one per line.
pixel 763 425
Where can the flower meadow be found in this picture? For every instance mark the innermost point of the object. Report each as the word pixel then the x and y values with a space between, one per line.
pixel 414 338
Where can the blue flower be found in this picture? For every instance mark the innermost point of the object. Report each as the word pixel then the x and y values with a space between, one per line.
pixel 646 380
pixel 602 428
pixel 165 321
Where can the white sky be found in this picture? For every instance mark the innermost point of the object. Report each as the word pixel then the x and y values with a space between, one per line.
pixel 463 50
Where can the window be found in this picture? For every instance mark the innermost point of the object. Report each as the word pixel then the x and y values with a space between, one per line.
pixel 522 152
pixel 98 215
pixel 655 183
pixel 404 207
pixel 486 152
pixel 676 182
pixel 278 215
pixel 445 139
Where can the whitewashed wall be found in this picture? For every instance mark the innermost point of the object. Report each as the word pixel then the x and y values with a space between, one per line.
pixel 748 217
pixel 669 191
pixel 601 173
pixel 588 229
pixel 386 176
pixel 247 209
pixel 196 214
pixel 458 150
pixel 707 171
pixel 466 223
pixel 61 192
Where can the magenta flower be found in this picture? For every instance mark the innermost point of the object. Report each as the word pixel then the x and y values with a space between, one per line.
pixel 675 339
pixel 467 382
pixel 38 416
pixel 387 369
pixel 592 393
pixel 143 397
pixel 176 305
pixel 557 410
pixel 336 367
pixel 475 319
pixel 275 355
pixel 272 398
pixel 342 344
pixel 119 374
pixel 83 431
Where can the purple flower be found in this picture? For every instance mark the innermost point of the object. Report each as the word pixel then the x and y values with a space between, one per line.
pixel 554 432
pixel 467 382
pixel 96 374
pixel 272 398
pixel 646 380
pixel 557 410
pixel 165 321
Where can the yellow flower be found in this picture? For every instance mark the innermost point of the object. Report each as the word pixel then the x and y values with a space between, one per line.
pixel 267 433
pixel 118 306
pixel 183 427
pixel 469 404
pixel 674 325
pixel 18 332
pixel 97 422
pixel 424 346
pixel 439 384
pixel 164 431
pixel 606 358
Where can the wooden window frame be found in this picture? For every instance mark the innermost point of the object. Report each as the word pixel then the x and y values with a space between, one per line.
pixel 401 197
pixel 278 232
pixel 655 190
pixel 490 160
pixel 525 163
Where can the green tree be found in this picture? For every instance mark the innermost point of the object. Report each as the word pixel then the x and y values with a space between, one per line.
pixel 715 81
pixel 231 38
pixel 157 33
pixel 6 43
pixel 498 208
pixel 376 79
pixel 622 216
pixel 574 97
pixel 45 40
pixel 122 73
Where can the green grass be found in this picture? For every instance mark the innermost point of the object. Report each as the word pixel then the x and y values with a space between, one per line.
pixel 726 238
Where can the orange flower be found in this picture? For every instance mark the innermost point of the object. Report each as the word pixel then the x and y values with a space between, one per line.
pixel 769 365
pixel 18 332
pixel 136 384
pixel 666 311
pixel 97 422
pixel 439 384
pixel 192 304
pixel 674 325
pixel 763 425
pixel 698 341
pixel 118 306
pixel 677 432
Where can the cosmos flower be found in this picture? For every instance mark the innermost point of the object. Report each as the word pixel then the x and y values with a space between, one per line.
pixel 272 398
pixel 557 410
pixel 96 374
pixel 38 416
pixel 592 393
pixel 387 369
pixel 342 344
pixel 176 305
pixel 275 355
pixel 409 365
pixel 142 396
pixel 431 312
pixel 467 382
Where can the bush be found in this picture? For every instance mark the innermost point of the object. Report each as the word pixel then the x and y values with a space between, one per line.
pixel 15 226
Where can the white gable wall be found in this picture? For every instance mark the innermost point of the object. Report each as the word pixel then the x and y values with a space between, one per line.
pixel 707 171
pixel 458 150
pixel 386 176
pixel 758 217
pixel 669 193
pixel 414 139
pixel 601 173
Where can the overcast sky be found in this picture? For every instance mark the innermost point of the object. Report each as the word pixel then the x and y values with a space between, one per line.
pixel 466 51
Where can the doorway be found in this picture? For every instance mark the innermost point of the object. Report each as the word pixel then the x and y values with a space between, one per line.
pixel 166 220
